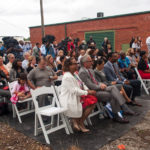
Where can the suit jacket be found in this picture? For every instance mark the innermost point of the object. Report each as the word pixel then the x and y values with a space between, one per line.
pixel 110 73
pixel 70 95
pixel 101 77
pixel 85 77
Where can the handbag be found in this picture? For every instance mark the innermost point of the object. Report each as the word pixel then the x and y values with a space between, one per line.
pixel 88 100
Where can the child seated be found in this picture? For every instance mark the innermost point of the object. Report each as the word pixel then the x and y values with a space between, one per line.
pixel 20 90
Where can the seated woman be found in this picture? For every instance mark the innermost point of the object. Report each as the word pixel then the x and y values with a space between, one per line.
pixel 60 53
pixel 20 90
pixel 143 67
pixel 16 70
pixel 131 56
pixel 49 60
pixel 32 63
pixel 71 91
pixel 100 77
pixel 51 63
pixel 3 68
pixel 60 66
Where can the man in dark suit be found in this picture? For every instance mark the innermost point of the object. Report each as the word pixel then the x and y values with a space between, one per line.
pixel 106 94
pixel 111 70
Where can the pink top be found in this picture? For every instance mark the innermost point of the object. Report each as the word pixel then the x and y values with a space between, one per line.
pixel 18 88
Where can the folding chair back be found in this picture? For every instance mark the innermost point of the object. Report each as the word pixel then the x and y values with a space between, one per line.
pixel 142 81
pixel 58 92
pixel 11 85
pixel 14 106
pixel 43 91
pixel 48 111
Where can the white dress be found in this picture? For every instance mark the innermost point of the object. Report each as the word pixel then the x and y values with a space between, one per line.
pixel 70 95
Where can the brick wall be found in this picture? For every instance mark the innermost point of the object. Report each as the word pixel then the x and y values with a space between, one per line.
pixel 124 26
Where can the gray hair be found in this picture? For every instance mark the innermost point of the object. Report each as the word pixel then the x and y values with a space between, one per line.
pixel 122 52
pixel 24 55
pixel 9 55
pixel 84 59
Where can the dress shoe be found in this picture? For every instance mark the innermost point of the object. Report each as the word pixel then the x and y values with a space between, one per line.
pixel 131 114
pixel 137 104
pixel 134 103
pixel 76 127
pixel 119 119
pixel 84 130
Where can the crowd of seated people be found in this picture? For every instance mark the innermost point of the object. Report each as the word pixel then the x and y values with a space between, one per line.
pixel 100 75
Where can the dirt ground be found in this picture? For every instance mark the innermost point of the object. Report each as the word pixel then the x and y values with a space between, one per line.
pixel 138 138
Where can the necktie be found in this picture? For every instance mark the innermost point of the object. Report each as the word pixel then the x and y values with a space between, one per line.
pixel 117 74
pixel 92 78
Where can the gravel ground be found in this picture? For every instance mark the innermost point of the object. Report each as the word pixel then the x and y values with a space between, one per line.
pixel 138 138
pixel 10 139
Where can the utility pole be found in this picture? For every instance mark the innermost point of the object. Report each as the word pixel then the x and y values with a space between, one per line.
pixel 42 18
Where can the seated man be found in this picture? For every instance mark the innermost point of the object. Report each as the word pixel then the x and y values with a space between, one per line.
pixel 106 94
pixel 40 76
pixel 112 73
pixel 126 68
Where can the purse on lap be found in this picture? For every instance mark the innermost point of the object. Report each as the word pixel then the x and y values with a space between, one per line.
pixel 88 100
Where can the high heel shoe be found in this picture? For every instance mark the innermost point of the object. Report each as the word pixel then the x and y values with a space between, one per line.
pixel 84 130
pixel 76 127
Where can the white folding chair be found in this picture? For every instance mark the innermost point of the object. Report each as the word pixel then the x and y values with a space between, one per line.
pixel 144 82
pixel 49 111
pixel 58 91
pixel 15 108
pixel 99 110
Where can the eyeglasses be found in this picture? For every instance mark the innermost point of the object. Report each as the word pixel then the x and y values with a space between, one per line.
pixel 75 63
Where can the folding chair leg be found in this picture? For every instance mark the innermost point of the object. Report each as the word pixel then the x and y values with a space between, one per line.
pixel 86 123
pixel 89 121
pixel 146 90
pixel 13 109
pixel 28 105
pixel 44 130
pixel 52 120
pixel 64 122
pixel 16 109
pixel 68 125
pixel 36 126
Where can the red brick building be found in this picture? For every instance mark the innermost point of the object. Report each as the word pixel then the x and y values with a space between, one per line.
pixel 119 29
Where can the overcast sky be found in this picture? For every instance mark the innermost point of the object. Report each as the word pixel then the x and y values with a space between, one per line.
pixel 17 15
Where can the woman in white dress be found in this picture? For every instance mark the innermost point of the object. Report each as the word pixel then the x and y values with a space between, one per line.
pixel 71 93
